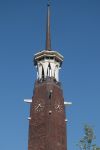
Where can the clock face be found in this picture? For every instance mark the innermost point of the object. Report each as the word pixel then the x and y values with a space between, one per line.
pixel 39 105
pixel 58 106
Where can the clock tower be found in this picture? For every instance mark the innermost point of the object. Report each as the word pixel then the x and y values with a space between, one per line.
pixel 47 123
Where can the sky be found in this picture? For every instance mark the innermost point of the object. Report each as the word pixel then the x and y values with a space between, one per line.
pixel 75 33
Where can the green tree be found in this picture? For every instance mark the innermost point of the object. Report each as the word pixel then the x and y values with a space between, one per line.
pixel 97 148
pixel 86 142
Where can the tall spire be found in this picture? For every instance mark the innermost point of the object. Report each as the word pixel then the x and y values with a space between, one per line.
pixel 48 39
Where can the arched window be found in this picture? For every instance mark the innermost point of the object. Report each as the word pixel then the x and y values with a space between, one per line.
pixel 49 70
pixel 56 72
pixel 39 74
pixel 42 73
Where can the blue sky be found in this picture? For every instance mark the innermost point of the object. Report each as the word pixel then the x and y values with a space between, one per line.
pixel 75 30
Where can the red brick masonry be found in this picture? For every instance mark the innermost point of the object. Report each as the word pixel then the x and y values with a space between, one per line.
pixel 47 127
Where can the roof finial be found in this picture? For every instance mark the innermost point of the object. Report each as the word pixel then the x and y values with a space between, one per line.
pixel 49 2
pixel 48 39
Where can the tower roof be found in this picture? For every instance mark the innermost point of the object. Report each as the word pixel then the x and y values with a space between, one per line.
pixel 48 52
pixel 48 38
pixel 48 62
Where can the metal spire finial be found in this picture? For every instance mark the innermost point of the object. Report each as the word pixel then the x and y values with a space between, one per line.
pixel 48 39
pixel 49 2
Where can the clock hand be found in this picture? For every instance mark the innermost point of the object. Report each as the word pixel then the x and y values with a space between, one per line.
pixel 38 106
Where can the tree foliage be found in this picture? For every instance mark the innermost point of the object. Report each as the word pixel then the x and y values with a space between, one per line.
pixel 87 141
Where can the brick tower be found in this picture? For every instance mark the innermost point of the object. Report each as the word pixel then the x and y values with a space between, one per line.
pixel 47 123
